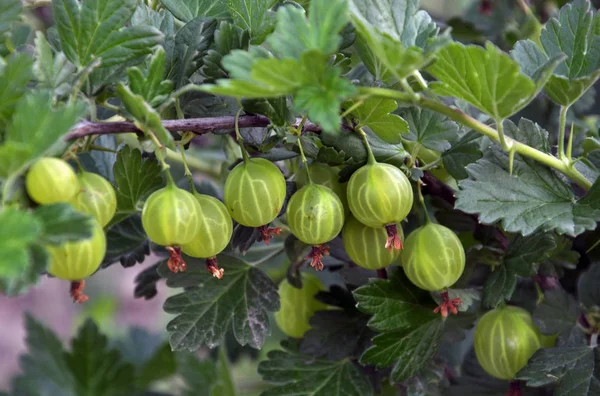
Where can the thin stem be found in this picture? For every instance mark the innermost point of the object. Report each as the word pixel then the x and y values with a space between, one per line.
pixel 500 129
pixel 430 165
pixel 466 120
pixel 304 161
pixel 100 148
pixel 194 163
pixel 161 158
pixel 570 144
pixel 352 108
pixel 186 169
pixel 422 201
pixel 561 131
pixel 370 157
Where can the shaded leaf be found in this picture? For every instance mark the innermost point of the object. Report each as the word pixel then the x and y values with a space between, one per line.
pixel 462 153
pixel 19 229
pixel 145 282
pixel 375 114
pixel 62 223
pixel 432 130
pixel 588 291
pixel 297 374
pixel 253 16
pixel 209 306
pixel 126 242
pixel 557 313
pixel 186 10
pixel 52 70
pixel 15 73
pixel 151 86
pixel 136 178
pixel 499 286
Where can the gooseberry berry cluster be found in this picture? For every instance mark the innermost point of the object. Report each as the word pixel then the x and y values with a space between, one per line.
pixel 51 181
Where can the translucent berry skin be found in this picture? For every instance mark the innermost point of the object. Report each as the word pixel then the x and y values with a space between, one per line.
pixel 298 305
pixel 505 339
pixel 324 175
pixel 315 214
pixel 96 197
pixel 379 194
pixel 254 192
pixel 215 229
pixel 51 180
pixel 366 245
pixel 171 216
pixel 77 260
pixel 433 257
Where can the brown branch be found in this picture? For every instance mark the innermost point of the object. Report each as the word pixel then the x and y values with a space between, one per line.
pixel 196 125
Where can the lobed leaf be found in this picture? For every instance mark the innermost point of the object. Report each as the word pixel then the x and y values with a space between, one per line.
pixel 19 230
pixel 62 223
pixel 431 130
pixel 374 113
pixel 186 10
pixel 209 306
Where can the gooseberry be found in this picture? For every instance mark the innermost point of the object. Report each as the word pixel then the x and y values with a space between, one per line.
pixel 214 234
pixel 433 259
pixel 315 215
pixel 74 261
pixel 365 245
pixel 96 197
pixel 324 175
pixel 171 218
pixel 51 180
pixel 298 305
pixel 254 194
pixel 505 339
pixel 380 195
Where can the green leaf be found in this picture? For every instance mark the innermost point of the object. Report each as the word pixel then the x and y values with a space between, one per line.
pixel 374 113
pixel 573 34
pixel 462 153
pixel 52 71
pixel 186 10
pixel 395 39
pixel 499 286
pixel 11 157
pixel 224 385
pixel 10 12
pixel 411 333
pixel 432 130
pixel 577 370
pixel 532 198
pixel 322 102
pixel 411 349
pixel 587 287
pixel 487 78
pixel 162 20
pixel 227 38
pixel 38 262
pixel 253 16
pixel 151 86
pixel 44 369
pixel 524 253
pixel 98 369
pixel 14 77
pixel 191 43
pixel 136 178
pixel 297 374
pixel 96 29
pixel 62 223
pixel 209 306
pixel 393 304
pixel 161 365
pixel 44 132
pixel 126 242
pixel 198 375
pixel 557 313
pixel 145 117
pixel 295 35
pixel 277 110
pixel 19 229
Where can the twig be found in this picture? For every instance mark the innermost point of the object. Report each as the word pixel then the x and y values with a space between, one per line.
pixel 196 125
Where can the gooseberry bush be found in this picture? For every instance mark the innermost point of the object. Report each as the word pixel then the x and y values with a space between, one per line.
pixel 357 197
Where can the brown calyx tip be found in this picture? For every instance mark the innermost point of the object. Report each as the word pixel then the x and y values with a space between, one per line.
pixel 448 305
pixel 213 268
pixel 316 254
pixel 266 233
pixel 77 292
pixel 393 241
pixel 176 263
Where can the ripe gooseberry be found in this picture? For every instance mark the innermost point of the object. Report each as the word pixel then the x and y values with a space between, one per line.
pixel 51 180
pixel 505 339
pixel 74 261
pixel 298 305
pixel 327 176
pixel 96 197
pixel 433 259
pixel 254 194
pixel 315 215
pixel 214 233
pixel 171 218
pixel 380 195
pixel 365 245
